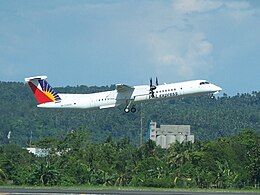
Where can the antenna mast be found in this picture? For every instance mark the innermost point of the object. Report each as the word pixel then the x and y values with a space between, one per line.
pixel 141 124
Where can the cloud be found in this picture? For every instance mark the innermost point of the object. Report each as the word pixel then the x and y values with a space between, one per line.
pixel 201 6
pixel 81 8
pixel 184 46
pixel 183 60
pixel 204 6
pixel 236 5
pixel 181 39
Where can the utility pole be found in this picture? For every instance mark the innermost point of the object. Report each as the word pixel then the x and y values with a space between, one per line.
pixel 9 137
pixel 30 143
pixel 141 123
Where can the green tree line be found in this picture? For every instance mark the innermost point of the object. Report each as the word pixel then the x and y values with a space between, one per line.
pixel 231 162
pixel 209 118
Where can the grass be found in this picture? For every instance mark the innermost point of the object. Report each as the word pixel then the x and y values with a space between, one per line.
pixel 87 187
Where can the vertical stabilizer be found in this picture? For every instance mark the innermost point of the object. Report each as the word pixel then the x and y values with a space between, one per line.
pixel 41 89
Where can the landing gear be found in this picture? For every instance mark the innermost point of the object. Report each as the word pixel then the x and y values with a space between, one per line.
pixel 133 109
pixel 129 107
pixel 127 110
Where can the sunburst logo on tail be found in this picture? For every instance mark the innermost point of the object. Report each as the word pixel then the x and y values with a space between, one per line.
pixel 42 91
pixel 48 91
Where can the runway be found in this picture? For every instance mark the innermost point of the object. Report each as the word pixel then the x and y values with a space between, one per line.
pixel 44 191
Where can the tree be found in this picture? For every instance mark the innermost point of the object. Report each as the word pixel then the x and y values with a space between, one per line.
pixel 3 177
pixel 44 173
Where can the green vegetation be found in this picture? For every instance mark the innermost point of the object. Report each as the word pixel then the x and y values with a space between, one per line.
pixel 226 163
pixel 100 147
pixel 209 118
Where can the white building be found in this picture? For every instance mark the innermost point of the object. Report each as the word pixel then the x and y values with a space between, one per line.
pixel 39 152
pixel 164 135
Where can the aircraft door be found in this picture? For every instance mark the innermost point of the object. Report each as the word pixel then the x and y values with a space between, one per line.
pixel 180 91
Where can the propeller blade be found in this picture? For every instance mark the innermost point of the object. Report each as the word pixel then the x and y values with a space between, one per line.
pixel 152 88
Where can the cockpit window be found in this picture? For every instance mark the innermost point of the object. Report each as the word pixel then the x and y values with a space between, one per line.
pixel 203 83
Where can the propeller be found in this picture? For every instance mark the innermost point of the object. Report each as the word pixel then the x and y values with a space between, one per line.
pixel 153 87
pixel 156 81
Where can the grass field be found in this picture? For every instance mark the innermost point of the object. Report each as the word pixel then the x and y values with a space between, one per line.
pixel 86 187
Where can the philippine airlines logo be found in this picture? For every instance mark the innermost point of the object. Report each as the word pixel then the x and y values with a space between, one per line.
pixel 48 91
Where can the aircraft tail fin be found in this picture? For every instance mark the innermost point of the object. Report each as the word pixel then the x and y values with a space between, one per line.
pixel 41 89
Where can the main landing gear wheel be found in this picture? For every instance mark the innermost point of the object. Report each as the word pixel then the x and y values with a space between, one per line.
pixel 127 110
pixel 133 109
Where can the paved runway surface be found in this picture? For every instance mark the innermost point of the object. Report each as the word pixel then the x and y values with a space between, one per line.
pixel 20 191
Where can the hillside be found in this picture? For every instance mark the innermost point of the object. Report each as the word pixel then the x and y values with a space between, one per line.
pixel 209 118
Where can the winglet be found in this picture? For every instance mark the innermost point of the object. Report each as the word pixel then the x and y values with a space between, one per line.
pixel 41 89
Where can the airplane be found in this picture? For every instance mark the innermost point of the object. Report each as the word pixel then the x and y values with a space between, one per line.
pixel 122 95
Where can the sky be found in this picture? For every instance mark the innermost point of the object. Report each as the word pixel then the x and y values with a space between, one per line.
pixel 99 43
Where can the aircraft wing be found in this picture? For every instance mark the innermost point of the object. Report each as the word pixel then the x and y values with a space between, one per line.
pixel 124 88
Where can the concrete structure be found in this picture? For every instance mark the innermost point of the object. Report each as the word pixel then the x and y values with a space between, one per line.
pixel 39 152
pixel 164 135
pixel 43 152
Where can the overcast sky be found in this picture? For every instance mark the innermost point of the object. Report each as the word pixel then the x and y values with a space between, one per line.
pixel 107 42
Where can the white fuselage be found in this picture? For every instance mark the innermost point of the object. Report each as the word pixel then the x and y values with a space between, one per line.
pixel 139 93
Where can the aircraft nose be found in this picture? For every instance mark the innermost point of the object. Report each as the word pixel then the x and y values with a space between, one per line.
pixel 217 88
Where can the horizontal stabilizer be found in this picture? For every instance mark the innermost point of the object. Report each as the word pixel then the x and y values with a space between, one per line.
pixel 35 78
